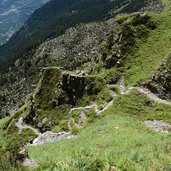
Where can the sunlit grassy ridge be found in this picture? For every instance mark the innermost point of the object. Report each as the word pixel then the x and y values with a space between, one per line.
pixel 140 107
pixel 150 54
pixel 143 47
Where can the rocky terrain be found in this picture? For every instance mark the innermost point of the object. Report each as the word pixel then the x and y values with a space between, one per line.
pixel 77 46
pixel 160 82
pixel 67 88
pixel 158 126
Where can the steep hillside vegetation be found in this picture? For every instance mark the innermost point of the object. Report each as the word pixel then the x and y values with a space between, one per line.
pixel 78 45
pixel 48 108
pixel 109 132
pixel 116 142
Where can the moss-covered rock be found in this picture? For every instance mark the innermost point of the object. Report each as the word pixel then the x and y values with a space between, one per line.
pixel 94 84
pixel 47 87
pixel 160 81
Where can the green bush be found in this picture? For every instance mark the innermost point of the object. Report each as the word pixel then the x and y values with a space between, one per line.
pixel 111 76
pixel 94 84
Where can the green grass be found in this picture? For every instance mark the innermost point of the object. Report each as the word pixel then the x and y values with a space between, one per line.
pixel 139 106
pixel 46 113
pixel 13 141
pixel 144 48
pixel 118 138
pixel 3 121
pixel 150 54
pixel 10 144
pixel 47 88
pixel 159 112
pixel 90 115
pixel 115 140
pixel 166 3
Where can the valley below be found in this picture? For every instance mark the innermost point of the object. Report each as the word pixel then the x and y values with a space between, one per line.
pixel 13 14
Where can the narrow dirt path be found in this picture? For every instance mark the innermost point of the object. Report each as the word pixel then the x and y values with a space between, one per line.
pixel 72 122
pixel 45 137
pixel 125 90
pixel 95 106
pixel 83 108
pixel 152 96
pixel 20 124
pixel 158 126
pixel 106 107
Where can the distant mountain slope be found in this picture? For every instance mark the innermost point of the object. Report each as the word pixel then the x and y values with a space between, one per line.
pixel 13 14
pixel 55 17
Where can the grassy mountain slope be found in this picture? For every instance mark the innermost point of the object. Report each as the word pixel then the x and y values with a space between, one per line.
pixel 48 108
pixel 142 48
pixel 159 82
pixel 151 53
pixel 117 139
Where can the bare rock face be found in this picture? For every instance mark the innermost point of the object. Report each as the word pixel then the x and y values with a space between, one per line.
pixel 23 158
pixel 160 82
pixel 158 126
pixel 79 44
pixel 50 137
pixel 154 6
pixel 73 86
